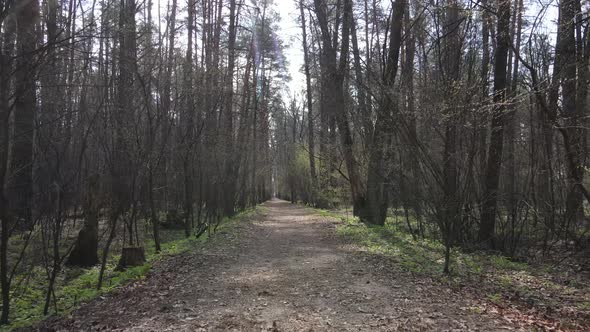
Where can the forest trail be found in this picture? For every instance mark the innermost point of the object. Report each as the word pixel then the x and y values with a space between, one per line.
pixel 285 270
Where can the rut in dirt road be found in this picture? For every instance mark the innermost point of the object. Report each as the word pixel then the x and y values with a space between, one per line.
pixel 285 270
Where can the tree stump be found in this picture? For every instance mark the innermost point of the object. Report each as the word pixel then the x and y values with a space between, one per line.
pixel 85 253
pixel 131 256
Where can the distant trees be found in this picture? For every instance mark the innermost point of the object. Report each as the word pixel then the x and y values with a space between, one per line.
pixel 461 141
pixel 117 121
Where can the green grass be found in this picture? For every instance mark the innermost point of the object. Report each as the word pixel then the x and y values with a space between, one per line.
pixel 421 256
pixel 495 298
pixel 496 278
pixel 417 256
pixel 584 305
pixel 504 263
pixel 76 286
pixel 327 213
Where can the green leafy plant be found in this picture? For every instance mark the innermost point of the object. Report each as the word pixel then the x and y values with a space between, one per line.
pixel 77 286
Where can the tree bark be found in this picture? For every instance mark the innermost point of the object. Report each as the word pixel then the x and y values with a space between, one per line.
pixel 451 67
pixel 227 117
pixel 187 125
pixel 511 124
pixel 332 96
pixel 575 154
pixel 494 162
pixel 377 187
pixel 6 53
pixel 85 251
pixel 310 114
pixel 20 188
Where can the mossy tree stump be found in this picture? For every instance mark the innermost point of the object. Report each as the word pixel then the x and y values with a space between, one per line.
pixel 85 252
pixel 130 257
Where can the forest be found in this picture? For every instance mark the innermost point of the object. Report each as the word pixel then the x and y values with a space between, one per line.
pixel 132 128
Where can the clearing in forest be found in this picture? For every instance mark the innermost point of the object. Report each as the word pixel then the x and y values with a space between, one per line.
pixel 285 269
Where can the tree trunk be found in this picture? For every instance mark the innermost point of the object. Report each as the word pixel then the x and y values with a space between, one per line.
pixel 377 187
pixel 575 154
pixel 85 251
pixel 167 110
pixel 494 163
pixel 188 124
pixel 332 97
pixel 227 141
pixel 360 84
pixel 415 198
pixel 20 188
pixel 310 120
pixel 511 124
pixel 452 200
pixel 6 49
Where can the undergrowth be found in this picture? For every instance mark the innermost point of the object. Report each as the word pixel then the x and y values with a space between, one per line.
pixel 493 277
pixel 76 286
pixel 419 255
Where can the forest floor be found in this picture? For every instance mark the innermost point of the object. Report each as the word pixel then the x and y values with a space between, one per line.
pixel 285 269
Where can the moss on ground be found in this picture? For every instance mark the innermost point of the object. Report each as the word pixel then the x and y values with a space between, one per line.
pixel 76 286
pixel 493 277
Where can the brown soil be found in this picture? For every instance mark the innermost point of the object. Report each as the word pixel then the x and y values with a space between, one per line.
pixel 285 270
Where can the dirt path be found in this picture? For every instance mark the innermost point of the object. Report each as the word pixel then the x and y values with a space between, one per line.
pixel 285 271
